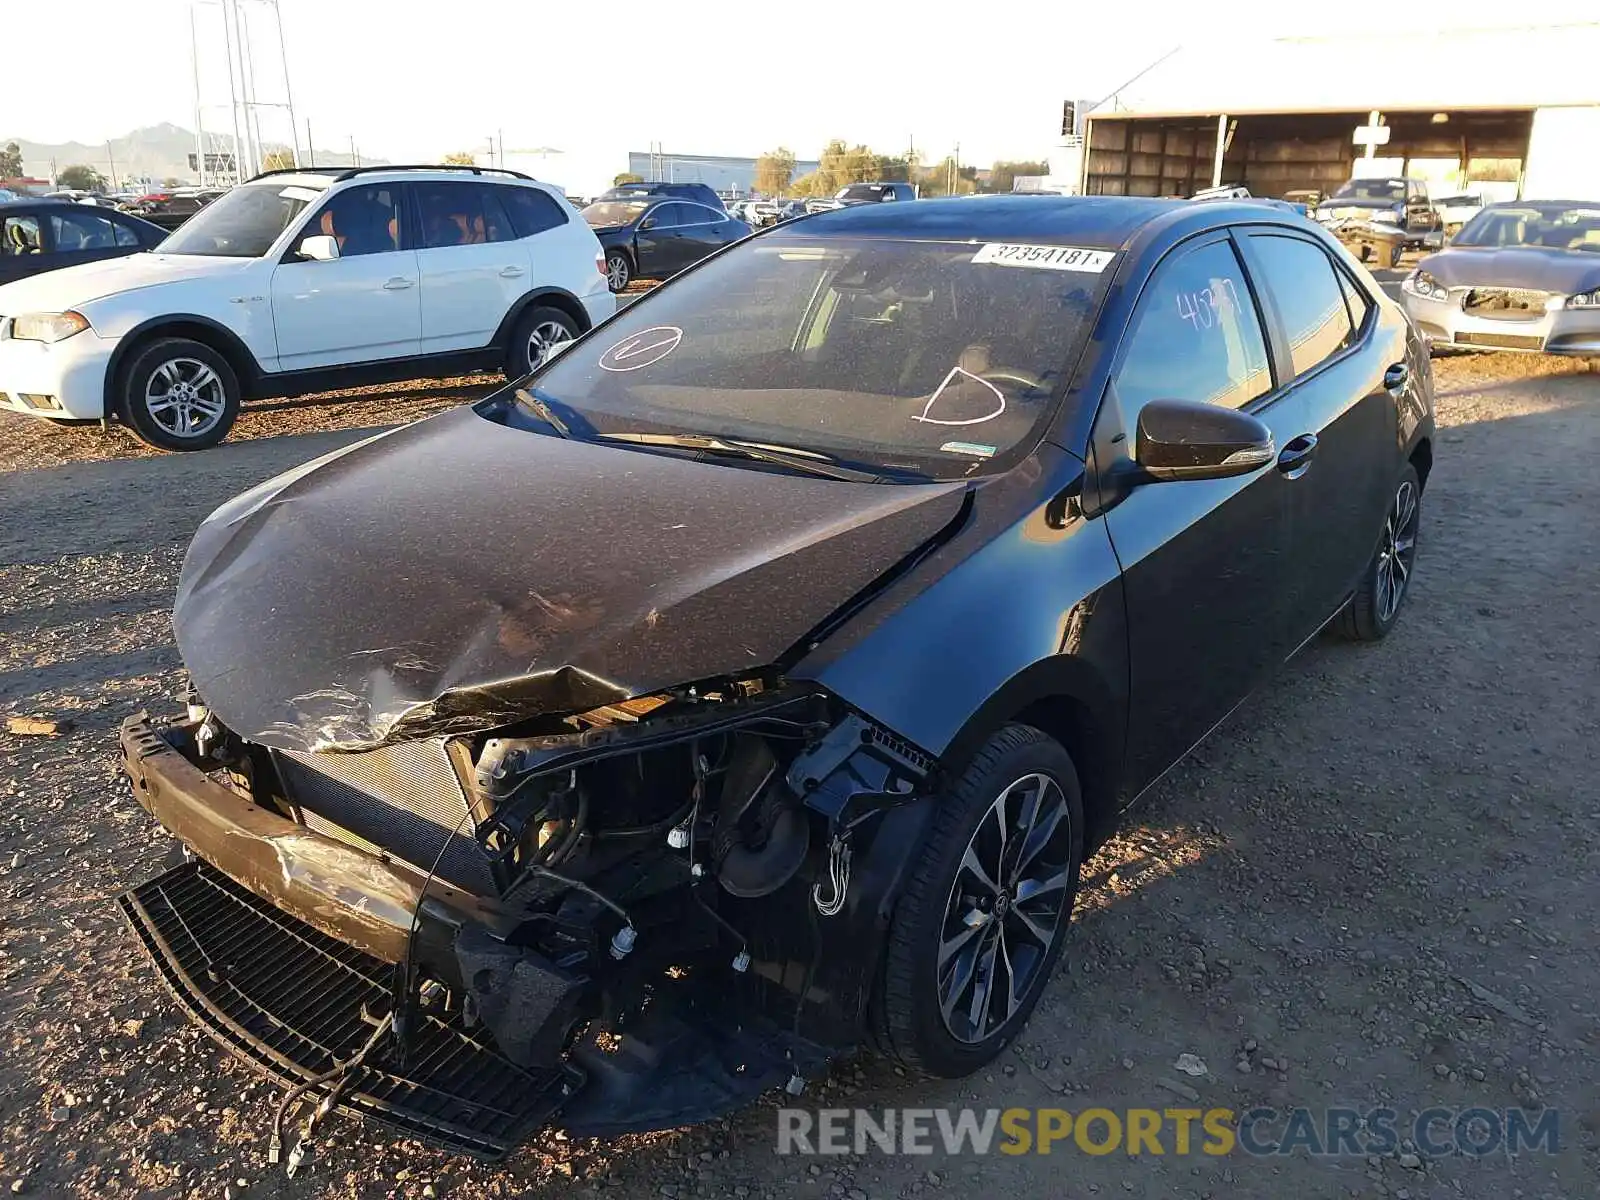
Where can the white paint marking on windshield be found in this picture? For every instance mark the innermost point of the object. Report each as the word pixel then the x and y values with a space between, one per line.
pixel 939 391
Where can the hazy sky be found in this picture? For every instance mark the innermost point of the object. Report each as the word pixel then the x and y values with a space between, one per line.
pixel 414 81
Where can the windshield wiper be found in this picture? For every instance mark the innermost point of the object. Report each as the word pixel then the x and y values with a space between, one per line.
pixel 811 462
pixel 553 413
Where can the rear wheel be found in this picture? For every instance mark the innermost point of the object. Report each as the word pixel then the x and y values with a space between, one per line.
pixel 179 394
pixel 982 921
pixel 619 270
pixel 1372 611
pixel 537 331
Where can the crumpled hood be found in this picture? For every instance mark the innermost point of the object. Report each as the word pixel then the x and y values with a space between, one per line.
pixel 459 574
pixel 72 287
pixel 1568 271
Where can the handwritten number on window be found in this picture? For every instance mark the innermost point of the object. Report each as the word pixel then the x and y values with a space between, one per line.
pixel 1203 308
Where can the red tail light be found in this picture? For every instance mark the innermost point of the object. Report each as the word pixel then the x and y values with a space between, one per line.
pixel 600 264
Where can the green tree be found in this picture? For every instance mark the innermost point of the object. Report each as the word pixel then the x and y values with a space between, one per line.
pixel 809 184
pixel 11 161
pixel 936 179
pixel 277 160
pixel 1004 173
pixel 459 158
pixel 626 177
pixel 841 165
pixel 79 178
pixel 774 171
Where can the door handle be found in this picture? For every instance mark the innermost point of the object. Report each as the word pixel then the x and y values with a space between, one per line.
pixel 1397 376
pixel 1295 460
pixel 510 272
pixel 397 284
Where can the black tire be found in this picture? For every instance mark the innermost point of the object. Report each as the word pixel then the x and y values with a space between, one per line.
pixel 619 270
pixel 548 326
pixel 1371 612
pixel 909 1021
pixel 208 407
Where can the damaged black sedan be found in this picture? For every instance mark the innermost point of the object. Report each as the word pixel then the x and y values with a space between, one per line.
pixel 746 685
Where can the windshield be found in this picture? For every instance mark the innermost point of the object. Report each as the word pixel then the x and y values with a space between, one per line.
pixel 918 356
pixel 1549 227
pixel 242 223
pixel 1372 189
pixel 614 212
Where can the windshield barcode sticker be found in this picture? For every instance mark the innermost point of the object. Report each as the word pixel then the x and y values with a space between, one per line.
pixel 1049 258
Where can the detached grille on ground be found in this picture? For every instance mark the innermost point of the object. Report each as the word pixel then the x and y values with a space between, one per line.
pixel 293 1002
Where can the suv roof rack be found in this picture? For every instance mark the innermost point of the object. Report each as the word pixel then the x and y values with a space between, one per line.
pixel 341 173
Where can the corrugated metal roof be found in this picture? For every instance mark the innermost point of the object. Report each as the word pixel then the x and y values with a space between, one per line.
pixel 1532 66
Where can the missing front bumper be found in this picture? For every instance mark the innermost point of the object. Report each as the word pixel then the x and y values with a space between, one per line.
pixel 292 1001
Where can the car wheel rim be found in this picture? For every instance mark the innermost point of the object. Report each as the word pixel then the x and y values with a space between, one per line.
pixel 1397 553
pixel 1006 908
pixel 185 397
pixel 617 273
pixel 545 336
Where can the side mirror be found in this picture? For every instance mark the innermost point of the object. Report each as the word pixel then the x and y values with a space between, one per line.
pixel 648 223
pixel 1179 439
pixel 319 248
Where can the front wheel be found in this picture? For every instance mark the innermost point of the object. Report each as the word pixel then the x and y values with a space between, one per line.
pixel 537 332
pixel 619 270
pixel 179 394
pixel 982 921
pixel 1374 608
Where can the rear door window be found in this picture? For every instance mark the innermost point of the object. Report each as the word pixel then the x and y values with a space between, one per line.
pixel 1196 335
pixel 1306 288
pixel 82 231
pixel 451 214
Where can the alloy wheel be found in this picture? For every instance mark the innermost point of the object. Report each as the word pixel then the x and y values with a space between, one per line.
pixel 1005 909
pixel 185 397
pixel 546 336
pixel 617 272
pixel 1397 552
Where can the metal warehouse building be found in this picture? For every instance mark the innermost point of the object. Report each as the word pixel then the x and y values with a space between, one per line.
pixel 1519 106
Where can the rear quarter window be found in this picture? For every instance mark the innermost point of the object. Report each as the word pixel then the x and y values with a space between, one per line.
pixel 530 210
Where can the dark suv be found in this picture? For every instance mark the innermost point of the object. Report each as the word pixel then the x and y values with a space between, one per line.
pixel 699 192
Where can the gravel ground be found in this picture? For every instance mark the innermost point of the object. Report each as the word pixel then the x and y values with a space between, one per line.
pixel 1373 886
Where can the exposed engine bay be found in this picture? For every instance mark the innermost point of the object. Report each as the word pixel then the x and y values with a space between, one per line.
pixel 659 907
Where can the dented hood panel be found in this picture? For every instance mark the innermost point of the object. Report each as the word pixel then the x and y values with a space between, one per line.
pixel 457 574
pixel 1536 268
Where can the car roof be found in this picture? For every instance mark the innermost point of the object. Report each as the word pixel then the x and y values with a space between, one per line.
pixel 1099 222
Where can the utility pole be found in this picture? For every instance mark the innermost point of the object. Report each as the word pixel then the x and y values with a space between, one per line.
pixel 233 96
pixel 355 159
pixel 111 158
pixel 199 133
pixel 288 93
pixel 311 147
pixel 501 134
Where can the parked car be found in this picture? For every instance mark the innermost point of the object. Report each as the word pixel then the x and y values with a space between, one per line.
pixel 750 682
pixel 1523 276
pixel 649 238
pixel 874 193
pixel 1379 218
pixel 1456 211
pixel 299 281
pixel 700 193
pixel 791 210
pixel 172 209
pixel 45 235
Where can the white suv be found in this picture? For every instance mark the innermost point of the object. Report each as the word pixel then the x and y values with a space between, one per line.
pixel 299 281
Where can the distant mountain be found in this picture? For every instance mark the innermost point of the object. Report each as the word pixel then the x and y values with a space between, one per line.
pixel 156 152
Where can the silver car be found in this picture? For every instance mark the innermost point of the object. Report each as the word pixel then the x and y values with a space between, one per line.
pixel 1519 276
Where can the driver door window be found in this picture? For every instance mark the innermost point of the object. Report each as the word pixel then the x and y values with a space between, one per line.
pixel 1196 335
pixel 363 220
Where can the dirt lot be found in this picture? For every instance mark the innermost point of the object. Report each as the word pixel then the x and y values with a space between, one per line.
pixel 1373 886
